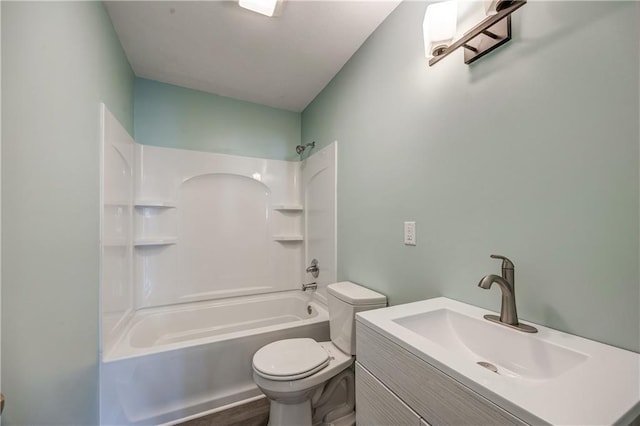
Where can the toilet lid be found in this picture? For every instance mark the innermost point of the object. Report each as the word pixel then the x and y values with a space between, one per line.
pixel 290 359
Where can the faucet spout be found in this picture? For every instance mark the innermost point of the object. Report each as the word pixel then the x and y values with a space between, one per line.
pixel 488 280
pixel 508 313
pixel 506 282
pixel 312 286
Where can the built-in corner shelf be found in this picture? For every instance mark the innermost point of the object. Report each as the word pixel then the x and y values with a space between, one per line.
pixel 288 207
pixel 288 222
pixel 167 204
pixel 288 237
pixel 148 242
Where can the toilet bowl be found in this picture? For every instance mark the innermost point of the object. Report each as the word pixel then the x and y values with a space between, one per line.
pixel 309 382
pixel 291 393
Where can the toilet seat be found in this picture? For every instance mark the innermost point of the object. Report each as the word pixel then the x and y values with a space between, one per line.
pixel 283 388
pixel 290 359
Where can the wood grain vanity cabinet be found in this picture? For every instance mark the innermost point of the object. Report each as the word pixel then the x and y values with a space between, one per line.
pixel 394 387
pixel 377 405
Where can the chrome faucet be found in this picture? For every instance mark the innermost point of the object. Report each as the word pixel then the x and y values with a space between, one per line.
pixel 314 270
pixel 506 282
pixel 312 286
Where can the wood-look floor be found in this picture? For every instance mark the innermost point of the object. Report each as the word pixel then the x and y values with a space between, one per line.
pixel 255 413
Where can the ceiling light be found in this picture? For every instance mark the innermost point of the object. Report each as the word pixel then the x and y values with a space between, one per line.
pixel 264 7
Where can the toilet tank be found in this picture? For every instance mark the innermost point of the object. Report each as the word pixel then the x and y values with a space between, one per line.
pixel 345 299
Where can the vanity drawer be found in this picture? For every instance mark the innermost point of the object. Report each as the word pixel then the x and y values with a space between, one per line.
pixel 436 397
pixel 376 405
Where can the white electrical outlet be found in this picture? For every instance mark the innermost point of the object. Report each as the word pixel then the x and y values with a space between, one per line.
pixel 410 233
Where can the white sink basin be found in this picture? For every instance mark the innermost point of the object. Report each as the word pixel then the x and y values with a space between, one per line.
pixel 513 354
pixel 545 377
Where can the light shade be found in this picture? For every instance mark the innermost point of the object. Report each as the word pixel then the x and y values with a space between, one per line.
pixel 490 7
pixel 439 26
pixel 264 7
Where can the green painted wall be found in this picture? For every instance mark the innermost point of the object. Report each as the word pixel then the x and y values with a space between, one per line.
pixel 59 61
pixel 532 153
pixel 176 117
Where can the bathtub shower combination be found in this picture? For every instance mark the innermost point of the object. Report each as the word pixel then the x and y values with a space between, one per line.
pixel 202 259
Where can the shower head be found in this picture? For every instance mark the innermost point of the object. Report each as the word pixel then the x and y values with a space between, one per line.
pixel 300 148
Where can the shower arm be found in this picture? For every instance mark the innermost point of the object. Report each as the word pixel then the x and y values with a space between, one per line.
pixel 301 148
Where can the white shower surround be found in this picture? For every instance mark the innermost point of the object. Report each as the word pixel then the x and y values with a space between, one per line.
pixel 189 239
pixel 224 219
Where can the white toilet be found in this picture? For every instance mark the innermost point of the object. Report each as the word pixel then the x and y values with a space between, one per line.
pixel 303 378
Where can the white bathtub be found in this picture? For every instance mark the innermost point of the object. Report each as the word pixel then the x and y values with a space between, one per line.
pixel 179 361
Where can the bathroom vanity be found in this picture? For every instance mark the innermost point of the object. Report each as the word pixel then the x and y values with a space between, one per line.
pixel 395 387
pixel 440 362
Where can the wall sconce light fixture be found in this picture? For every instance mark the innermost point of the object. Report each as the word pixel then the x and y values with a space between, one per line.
pixel 491 33
pixel 439 27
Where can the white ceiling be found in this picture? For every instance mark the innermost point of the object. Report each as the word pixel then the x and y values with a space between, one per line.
pixel 221 48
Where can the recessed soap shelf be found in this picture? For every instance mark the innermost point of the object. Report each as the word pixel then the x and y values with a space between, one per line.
pixel 288 237
pixel 146 242
pixel 288 207
pixel 156 203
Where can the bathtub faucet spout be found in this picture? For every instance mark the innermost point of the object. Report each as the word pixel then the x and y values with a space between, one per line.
pixel 312 286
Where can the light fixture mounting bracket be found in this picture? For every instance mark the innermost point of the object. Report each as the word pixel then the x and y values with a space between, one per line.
pixel 488 35
pixel 488 40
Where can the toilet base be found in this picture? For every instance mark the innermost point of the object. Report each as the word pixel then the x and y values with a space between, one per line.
pixel 300 414
pixel 290 414
pixel 329 405
pixel 348 420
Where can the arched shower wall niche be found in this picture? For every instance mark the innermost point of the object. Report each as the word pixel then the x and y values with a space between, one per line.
pixel 212 226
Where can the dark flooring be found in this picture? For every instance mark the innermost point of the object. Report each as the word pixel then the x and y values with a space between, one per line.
pixel 255 413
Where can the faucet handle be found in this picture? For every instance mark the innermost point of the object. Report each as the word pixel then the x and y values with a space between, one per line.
pixel 314 269
pixel 506 263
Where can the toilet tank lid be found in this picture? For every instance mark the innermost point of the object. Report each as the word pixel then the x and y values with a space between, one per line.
pixel 355 294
